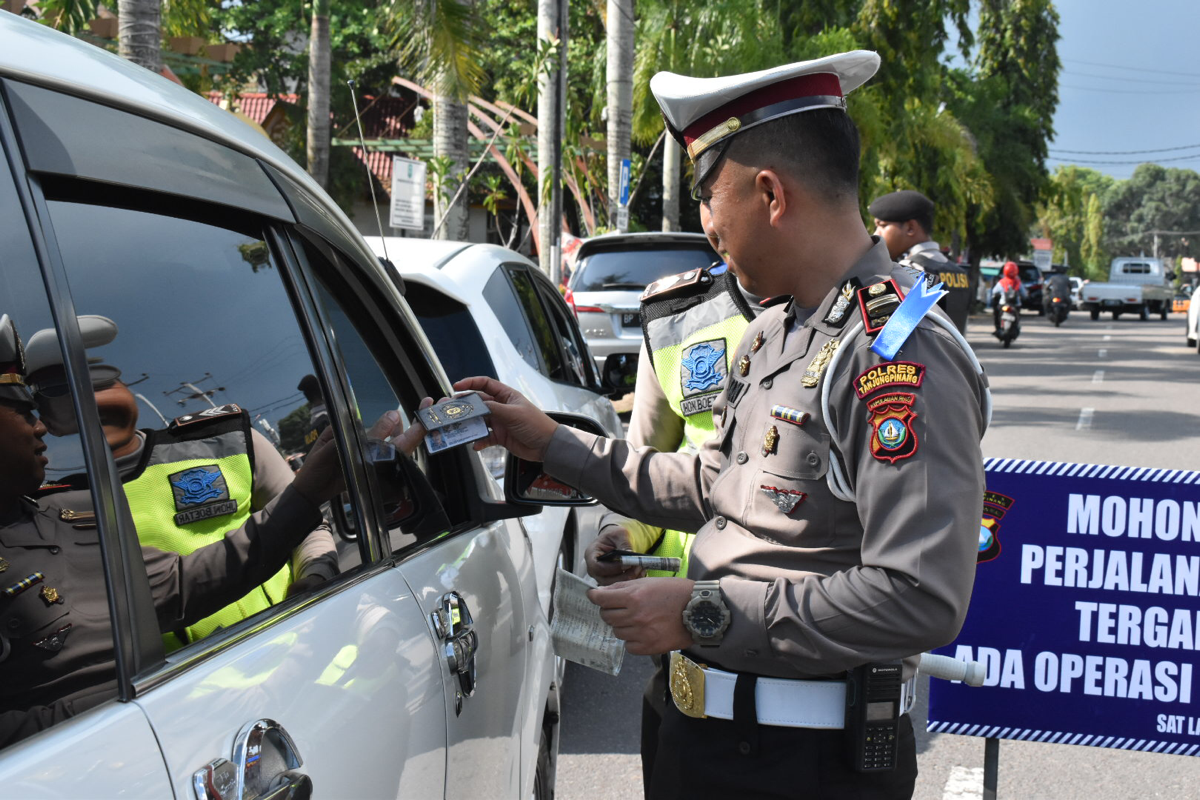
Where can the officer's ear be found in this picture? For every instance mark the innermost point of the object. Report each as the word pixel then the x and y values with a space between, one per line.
pixel 770 189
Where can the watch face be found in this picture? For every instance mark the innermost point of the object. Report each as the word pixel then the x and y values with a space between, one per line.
pixel 706 618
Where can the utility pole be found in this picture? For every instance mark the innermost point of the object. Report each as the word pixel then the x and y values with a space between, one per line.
pixel 197 392
pixel 552 115
pixel 619 74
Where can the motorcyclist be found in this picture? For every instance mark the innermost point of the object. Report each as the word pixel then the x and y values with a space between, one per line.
pixel 1008 289
pixel 1058 285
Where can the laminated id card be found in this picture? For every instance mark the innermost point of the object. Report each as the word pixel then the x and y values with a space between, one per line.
pixel 456 409
pixel 455 433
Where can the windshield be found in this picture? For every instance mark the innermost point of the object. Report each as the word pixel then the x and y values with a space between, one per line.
pixel 636 269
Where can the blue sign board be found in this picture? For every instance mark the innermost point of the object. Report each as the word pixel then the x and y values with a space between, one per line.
pixel 625 168
pixel 1086 610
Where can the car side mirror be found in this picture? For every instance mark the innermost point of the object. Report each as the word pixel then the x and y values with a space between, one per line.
pixel 526 482
pixel 620 373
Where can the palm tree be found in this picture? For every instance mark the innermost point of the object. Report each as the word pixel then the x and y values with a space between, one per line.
pixel 713 38
pixel 139 32
pixel 319 58
pixel 620 26
pixel 439 40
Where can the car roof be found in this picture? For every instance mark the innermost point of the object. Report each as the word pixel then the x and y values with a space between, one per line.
pixel 40 55
pixel 618 241
pixel 405 252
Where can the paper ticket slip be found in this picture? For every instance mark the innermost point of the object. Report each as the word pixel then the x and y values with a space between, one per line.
pixel 455 433
pixel 456 409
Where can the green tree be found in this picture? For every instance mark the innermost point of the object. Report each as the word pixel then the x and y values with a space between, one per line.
pixel 1154 198
pixel 293 427
pixel 1007 103
pixel 1071 217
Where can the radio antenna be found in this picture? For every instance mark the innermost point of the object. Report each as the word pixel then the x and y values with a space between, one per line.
pixel 366 164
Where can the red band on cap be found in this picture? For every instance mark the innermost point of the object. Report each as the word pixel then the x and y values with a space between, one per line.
pixel 821 83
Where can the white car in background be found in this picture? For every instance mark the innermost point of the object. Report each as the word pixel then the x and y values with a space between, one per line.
pixel 1193 321
pixel 488 310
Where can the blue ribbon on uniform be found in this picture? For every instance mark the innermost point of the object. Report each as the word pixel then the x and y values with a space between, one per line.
pixel 904 319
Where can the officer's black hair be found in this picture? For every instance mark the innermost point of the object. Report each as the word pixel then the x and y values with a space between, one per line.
pixel 819 148
pixel 926 223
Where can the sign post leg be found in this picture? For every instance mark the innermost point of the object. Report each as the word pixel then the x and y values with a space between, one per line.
pixel 991 767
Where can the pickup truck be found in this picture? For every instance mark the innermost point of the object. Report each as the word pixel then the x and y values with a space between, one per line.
pixel 1136 285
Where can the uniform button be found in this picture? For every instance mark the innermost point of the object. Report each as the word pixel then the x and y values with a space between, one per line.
pixel 14 623
pixel 742 458
pixel 744 748
pixel 767 383
pixel 54 551
pixel 721 523
pixel 814 459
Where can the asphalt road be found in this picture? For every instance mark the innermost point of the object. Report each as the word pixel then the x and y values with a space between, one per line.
pixel 1099 392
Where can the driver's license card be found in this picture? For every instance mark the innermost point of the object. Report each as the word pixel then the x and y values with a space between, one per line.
pixel 455 433
pixel 457 409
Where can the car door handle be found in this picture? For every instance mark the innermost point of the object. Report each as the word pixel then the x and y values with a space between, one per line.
pixel 264 767
pixel 454 625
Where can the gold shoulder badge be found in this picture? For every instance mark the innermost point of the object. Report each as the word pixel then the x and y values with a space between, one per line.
pixel 744 366
pixel 812 375
pixel 877 302
pixel 757 343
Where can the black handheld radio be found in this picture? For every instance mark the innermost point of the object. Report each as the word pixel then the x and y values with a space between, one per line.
pixel 873 715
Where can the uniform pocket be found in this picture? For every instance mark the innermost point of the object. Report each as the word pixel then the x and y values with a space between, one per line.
pixel 796 453
pixel 790 511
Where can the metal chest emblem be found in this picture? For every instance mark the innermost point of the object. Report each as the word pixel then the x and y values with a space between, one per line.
pixel 33 579
pixel 770 440
pixel 891 416
pixel 837 312
pixel 687 685
pixel 55 641
pixel 50 596
pixel 785 500
pixel 744 366
pixel 703 366
pixel 812 375
pixel 757 343
pixel 792 415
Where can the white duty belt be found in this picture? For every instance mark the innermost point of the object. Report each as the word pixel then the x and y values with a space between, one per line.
pixel 701 692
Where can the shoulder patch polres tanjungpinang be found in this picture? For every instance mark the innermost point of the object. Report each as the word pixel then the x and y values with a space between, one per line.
pixel 892 373
pixel 891 417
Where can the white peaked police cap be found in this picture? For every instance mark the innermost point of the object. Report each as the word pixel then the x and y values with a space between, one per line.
pixel 702 112
pixel 43 353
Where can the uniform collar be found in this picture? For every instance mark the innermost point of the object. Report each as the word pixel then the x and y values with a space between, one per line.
pixel 874 266
pixel 921 247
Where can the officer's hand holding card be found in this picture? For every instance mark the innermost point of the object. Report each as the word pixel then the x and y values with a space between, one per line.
pixel 454 422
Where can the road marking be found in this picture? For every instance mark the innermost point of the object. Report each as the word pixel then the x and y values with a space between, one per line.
pixel 1085 419
pixel 1106 338
pixel 1098 377
pixel 1103 353
pixel 964 783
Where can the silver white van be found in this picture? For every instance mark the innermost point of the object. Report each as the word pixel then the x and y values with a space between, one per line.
pixel 423 668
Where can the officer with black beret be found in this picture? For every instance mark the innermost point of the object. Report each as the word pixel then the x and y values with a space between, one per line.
pixel 904 220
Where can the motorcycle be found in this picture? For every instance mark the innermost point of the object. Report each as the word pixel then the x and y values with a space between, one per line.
pixel 1058 310
pixel 1008 322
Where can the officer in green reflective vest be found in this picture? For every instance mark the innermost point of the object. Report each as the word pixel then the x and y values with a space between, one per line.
pixel 189 484
pixel 692 322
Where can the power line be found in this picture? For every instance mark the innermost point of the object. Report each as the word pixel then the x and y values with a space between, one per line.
pixel 1195 157
pixel 1158 82
pixel 1132 69
pixel 1130 91
pixel 1124 152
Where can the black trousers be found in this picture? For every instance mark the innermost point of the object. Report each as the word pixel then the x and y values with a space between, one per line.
pixel 714 759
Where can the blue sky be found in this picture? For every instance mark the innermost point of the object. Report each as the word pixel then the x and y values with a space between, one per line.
pixel 1130 81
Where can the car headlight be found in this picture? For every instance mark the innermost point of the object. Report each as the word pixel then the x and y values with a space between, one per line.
pixel 494 458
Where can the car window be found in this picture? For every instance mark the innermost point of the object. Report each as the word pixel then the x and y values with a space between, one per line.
pixel 499 294
pixel 575 353
pixel 636 269
pixel 382 367
pixel 545 337
pixel 215 402
pixel 57 655
pixel 452 331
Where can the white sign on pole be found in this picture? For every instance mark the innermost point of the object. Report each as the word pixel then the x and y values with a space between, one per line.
pixel 1042 259
pixel 408 193
pixel 623 219
pixel 623 197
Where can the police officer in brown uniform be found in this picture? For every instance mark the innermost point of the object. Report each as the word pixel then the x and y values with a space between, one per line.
pixel 837 507
pixel 904 220
pixel 56 643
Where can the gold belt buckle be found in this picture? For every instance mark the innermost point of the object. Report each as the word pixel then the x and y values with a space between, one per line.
pixel 687 685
